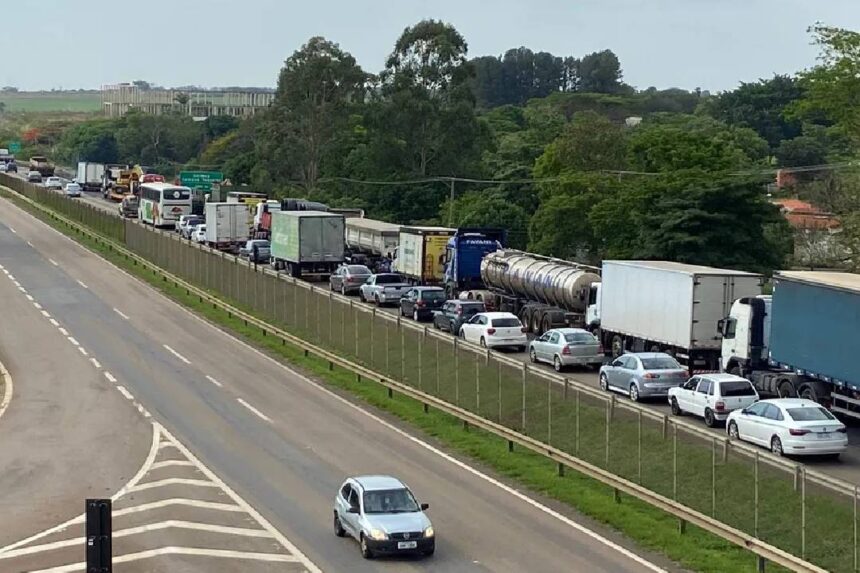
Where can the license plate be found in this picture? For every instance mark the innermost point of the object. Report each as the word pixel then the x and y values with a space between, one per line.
pixel 823 435
pixel 407 544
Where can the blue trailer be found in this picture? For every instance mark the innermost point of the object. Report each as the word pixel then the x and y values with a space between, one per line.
pixel 464 252
pixel 801 341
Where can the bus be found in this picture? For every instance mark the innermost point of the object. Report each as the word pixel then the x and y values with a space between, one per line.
pixel 161 204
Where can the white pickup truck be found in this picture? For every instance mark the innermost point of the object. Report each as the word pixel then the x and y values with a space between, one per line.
pixel 383 288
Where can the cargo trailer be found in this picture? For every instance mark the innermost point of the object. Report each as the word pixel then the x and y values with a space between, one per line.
pixel 307 242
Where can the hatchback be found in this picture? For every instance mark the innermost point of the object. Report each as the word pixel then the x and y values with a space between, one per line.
pixel 199 233
pixel 455 312
pixel 564 347
pixel 381 513
pixel 349 278
pixel 642 375
pixel 420 302
pixel 789 426
pixel 712 396
pixel 494 330
pixel 34 177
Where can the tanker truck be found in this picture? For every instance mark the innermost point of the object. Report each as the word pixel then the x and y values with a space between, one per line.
pixel 542 291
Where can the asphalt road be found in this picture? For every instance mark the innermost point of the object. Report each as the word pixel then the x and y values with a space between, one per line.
pixel 284 443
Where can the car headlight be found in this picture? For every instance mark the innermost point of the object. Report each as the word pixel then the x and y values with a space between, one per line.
pixel 429 532
pixel 378 535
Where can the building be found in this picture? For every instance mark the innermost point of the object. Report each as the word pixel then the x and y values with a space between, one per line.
pixel 805 216
pixel 117 99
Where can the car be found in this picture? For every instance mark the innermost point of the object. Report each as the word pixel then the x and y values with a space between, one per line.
pixel 495 330
pixel 129 206
pixel 260 255
pixel 420 302
pixel 73 189
pixel 11 167
pixel 563 347
pixel 4 167
pixel 54 183
pixel 349 278
pixel 199 233
pixel 712 396
pixel 184 220
pixel 381 513
pixel 188 231
pixel 789 426
pixel 455 312
pixel 642 375
pixel 383 288
pixel 34 177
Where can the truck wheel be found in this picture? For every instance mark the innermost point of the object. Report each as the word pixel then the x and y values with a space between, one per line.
pixel 785 389
pixel 617 346
pixel 812 390
pixel 547 325
pixel 710 419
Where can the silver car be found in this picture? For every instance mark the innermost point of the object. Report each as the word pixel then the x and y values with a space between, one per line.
pixel 642 375
pixel 382 515
pixel 349 278
pixel 564 347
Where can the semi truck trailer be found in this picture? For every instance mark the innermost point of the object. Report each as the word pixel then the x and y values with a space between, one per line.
pixel 800 341
pixel 369 240
pixel 307 242
pixel 421 254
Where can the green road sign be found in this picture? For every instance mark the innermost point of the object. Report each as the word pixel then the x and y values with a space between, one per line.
pixel 14 146
pixel 202 180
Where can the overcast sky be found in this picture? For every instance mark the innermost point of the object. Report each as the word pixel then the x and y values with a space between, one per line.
pixel 713 44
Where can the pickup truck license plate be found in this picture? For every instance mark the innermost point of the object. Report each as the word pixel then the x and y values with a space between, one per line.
pixel 407 544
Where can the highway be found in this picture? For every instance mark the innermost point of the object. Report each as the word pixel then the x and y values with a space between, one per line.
pixel 269 442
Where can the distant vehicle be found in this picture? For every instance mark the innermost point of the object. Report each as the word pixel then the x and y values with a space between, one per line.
pixel 34 177
pixel 90 175
pixel 73 189
pixel 383 288
pixel 789 426
pixel 642 375
pixel 183 221
pixel 420 302
pixel 494 330
pixel 191 227
pixel 421 254
pixel 455 312
pixel 563 347
pixel 376 240
pixel 381 513
pixel 4 167
pixel 200 233
pixel 12 167
pixel 129 206
pixel 53 183
pixel 161 204
pixel 307 242
pixel 227 225
pixel 349 278
pixel 712 396
pixel 262 253
pixel 464 252
pixel 41 164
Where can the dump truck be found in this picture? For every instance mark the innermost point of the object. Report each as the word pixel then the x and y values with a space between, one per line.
pixel 41 164
pixel 421 254
pixel 226 225
pixel 307 242
pixel 370 241
pixel 800 341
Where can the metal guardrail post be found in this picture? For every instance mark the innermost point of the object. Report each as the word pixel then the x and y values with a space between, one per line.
pixel 477 384
pixel 714 478
pixel 609 405
pixel 421 345
pixel 856 555
pixel 317 320
pixel 437 368
pixel 803 513
pixel 355 322
pixel 387 351
pixel 576 432
pixel 500 389
pixel 402 353
pixel 330 317
pixel 675 462
pixel 755 495
pixel 549 384
pixel 525 374
pixel 638 447
pixel 456 373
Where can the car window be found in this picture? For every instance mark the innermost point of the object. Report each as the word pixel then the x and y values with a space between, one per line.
pixel 757 409
pixel 772 413
pixel 554 338
pixel 433 295
pixel 514 323
pixel 736 388
pixel 353 498
pixel 660 363
pixel 388 279
pixel 810 414
pixel 631 362
pixel 345 491
pixel 691 383
pixel 472 308
pixel 580 338
pixel 704 386
pixel 390 501
pixel 357 270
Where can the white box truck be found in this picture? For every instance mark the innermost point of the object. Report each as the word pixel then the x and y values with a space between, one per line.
pixel 89 175
pixel 226 225
pixel 421 253
pixel 662 306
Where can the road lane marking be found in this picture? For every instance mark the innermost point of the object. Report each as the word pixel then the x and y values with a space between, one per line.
pixel 13 230
pixel 73 340
pixel 125 392
pixel 11 277
pixel 119 312
pixel 110 378
pixel 31 299
pixel 54 322
pixel 63 331
pixel 46 314
pixel 22 289
pixel 39 306
pixel 30 244
pixel 172 481
pixel 174 501
pixel 214 381
pixel 169 463
pixel 82 284
pixel 174 550
pixel 53 262
pixel 176 354
pixel 253 410
pixel 95 362
pixel 83 351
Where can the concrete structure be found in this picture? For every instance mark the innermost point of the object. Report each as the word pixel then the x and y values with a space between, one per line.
pixel 117 99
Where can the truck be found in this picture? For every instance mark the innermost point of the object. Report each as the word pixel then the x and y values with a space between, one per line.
pixel 370 241
pixel 799 341
pixel 307 242
pixel 421 252
pixel 465 250
pixel 89 175
pixel 226 225
pixel 262 212
pixel 41 164
pixel 544 292
pixel 383 288
pixel 664 306
pixel 111 177
pixel 5 156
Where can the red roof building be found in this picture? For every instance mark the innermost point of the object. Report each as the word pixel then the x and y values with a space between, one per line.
pixel 803 215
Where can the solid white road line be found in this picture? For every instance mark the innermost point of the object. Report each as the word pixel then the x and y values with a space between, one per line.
pixel 172 481
pixel 170 463
pixel 110 378
pixel 119 312
pixel 176 354
pixel 124 391
pixel 95 362
pixel 214 381
pixel 53 262
pixel 82 284
pixel 253 410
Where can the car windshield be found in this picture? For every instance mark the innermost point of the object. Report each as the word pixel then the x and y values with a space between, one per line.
pixel 739 388
pixel 388 279
pixel 660 363
pixel 389 501
pixel 580 338
pixel 433 295
pixel 357 270
pixel 507 322
pixel 470 309
pixel 813 414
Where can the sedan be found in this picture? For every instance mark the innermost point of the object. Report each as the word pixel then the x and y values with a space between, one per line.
pixel 383 516
pixel 494 330
pixel 420 302
pixel 564 347
pixel 642 375
pixel 53 183
pixel 34 177
pixel 256 251
pixel 73 190
pixel 349 278
pixel 199 233
pixel 789 426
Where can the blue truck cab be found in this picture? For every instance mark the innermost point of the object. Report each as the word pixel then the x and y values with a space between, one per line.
pixel 464 252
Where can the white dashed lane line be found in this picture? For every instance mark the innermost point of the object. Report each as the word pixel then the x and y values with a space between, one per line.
pixel 119 312
pixel 95 362
pixel 82 284
pixel 110 378
pixel 46 314
pixel 83 351
pixel 63 331
pixel 176 354
pixel 213 381
pixel 53 262
pixel 123 391
pixel 30 298
pixel 55 323
pixel 13 230
pixel 253 410
pixel 73 340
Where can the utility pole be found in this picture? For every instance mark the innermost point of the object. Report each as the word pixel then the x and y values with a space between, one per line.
pixel 451 204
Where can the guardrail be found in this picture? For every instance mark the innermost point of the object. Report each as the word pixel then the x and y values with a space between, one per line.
pixel 779 510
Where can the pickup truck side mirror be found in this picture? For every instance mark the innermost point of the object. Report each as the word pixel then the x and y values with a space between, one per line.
pixel 425 506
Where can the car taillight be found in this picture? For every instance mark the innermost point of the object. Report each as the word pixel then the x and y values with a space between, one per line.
pixel 565 350
pixel 720 406
pixel 491 331
pixel 524 329
pixel 797 432
pixel 651 376
pixel 419 303
pixel 842 430
pixel 459 311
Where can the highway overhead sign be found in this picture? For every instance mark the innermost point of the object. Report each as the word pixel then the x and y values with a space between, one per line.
pixel 202 180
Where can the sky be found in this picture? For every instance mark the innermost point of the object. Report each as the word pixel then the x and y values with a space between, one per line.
pixel 712 44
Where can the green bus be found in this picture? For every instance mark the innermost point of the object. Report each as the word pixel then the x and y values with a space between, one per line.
pixel 161 204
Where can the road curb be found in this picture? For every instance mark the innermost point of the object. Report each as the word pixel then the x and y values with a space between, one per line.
pixel 8 387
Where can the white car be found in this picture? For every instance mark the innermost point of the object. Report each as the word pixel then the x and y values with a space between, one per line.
pixel 712 396
pixel 73 190
pixel 791 426
pixel 200 233
pixel 53 183
pixel 495 329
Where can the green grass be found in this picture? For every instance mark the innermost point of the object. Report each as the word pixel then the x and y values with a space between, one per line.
pixel 41 102
pixel 647 526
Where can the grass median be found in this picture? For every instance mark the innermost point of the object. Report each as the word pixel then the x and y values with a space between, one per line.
pixel 647 526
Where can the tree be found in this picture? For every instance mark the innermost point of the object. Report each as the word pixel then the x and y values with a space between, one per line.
pixel 590 142
pixel 2 107
pixel 489 209
pixel 801 151
pixel 600 72
pixel 142 85
pixel 91 141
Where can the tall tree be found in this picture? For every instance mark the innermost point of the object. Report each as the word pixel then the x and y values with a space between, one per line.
pixel 590 142
pixel 600 72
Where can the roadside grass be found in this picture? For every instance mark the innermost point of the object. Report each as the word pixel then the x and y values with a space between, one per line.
pixel 52 102
pixel 649 527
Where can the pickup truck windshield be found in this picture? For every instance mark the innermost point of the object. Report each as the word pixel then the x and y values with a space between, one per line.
pixel 388 279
